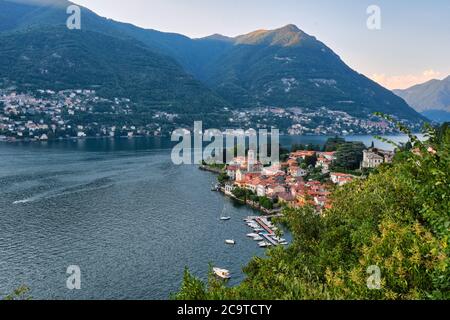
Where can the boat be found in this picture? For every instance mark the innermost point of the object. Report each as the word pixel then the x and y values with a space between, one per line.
pixel 252 235
pixel 222 273
pixel 258 238
pixel 232 242
pixel 223 217
pixel 264 244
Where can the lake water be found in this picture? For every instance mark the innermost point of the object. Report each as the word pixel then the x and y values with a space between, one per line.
pixel 121 211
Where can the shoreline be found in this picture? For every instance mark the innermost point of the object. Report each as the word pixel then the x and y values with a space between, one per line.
pixel 249 204
pixel 28 140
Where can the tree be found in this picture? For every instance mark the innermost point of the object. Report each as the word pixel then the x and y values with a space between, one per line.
pixel 333 144
pixel 397 220
pixel 349 155
pixel 311 161
pixel 223 178
pixel 266 203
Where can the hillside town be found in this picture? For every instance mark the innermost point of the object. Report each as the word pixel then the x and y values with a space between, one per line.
pixel 48 115
pixel 305 178
pixel 313 121
pixel 44 115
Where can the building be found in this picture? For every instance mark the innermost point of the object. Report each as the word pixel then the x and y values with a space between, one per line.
pixel 341 178
pixel 231 172
pixel 373 158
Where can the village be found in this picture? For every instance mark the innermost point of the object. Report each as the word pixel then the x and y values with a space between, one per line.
pixel 305 178
pixel 47 115
pixel 44 114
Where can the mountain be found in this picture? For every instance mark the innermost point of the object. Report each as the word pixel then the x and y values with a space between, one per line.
pixel 41 52
pixel 289 68
pixel 431 98
pixel 282 68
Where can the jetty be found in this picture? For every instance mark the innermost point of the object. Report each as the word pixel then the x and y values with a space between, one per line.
pixel 264 230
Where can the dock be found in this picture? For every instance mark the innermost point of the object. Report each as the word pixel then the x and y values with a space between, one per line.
pixel 268 233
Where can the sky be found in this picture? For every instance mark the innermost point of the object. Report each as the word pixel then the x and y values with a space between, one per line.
pixel 411 46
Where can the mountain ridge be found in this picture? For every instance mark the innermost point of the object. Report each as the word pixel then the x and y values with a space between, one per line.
pixel 284 67
pixel 431 98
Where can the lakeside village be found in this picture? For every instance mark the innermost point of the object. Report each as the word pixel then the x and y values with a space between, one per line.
pixel 305 177
pixel 44 115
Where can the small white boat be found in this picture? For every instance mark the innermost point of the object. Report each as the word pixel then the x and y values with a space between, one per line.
pixel 252 235
pixel 232 242
pixel 258 238
pixel 224 217
pixel 264 244
pixel 277 239
pixel 222 273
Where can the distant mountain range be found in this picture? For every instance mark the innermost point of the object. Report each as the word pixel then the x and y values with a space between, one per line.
pixel 432 99
pixel 171 72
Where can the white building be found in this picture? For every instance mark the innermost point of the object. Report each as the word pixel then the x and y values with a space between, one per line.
pixel 373 158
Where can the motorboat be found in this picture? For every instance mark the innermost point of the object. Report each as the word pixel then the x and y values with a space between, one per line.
pixel 264 244
pixel 222 273
pixel 231 242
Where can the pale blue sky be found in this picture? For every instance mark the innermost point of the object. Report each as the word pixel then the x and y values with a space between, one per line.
pixel 412 46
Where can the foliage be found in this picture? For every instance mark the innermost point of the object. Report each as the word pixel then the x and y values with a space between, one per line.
pixel 223 178
pixel 398 219
pixel 333 144
pixel 349 155
pixel 311 160
pixel 266 203
pixel 21 293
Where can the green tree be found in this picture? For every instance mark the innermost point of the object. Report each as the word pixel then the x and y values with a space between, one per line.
pixel 333 144
pixel 349 155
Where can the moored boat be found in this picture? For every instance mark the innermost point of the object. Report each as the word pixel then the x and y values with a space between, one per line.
pixel 222 273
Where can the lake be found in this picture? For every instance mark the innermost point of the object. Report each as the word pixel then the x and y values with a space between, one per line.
pixel 121 211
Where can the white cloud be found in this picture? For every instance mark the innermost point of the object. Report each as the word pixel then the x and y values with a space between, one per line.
pixel 406 81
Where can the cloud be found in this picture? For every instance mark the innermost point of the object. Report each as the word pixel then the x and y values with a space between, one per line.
pixel 406 81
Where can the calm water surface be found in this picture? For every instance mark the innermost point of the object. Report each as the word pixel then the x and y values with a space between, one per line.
pixel 121 211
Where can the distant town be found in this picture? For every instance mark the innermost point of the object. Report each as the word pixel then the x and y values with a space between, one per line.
pixel 306 177
pixel 44 115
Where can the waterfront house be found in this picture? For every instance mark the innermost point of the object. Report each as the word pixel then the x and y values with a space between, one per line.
pixel 231 171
